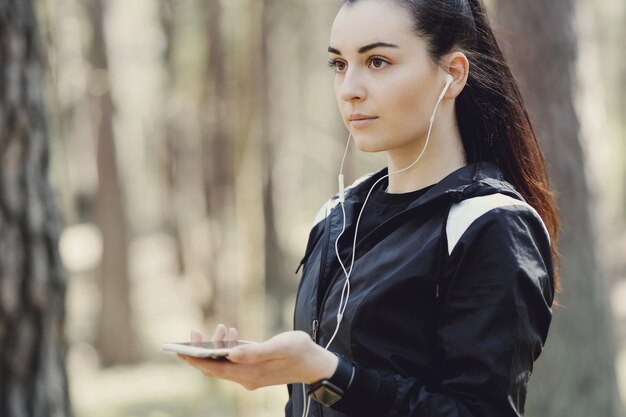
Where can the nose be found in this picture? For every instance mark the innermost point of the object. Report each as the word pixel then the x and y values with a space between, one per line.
pixel 351 86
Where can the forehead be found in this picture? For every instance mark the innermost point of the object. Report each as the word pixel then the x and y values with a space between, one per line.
pixel 368 21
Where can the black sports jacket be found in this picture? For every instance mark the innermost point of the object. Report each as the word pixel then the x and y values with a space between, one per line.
pixel 449 303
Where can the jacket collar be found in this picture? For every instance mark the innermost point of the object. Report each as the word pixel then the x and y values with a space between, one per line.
pixel 481 178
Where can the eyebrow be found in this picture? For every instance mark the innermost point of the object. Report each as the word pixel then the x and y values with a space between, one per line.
pixel 366 48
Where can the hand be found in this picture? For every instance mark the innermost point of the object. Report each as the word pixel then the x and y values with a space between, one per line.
pixel 290 357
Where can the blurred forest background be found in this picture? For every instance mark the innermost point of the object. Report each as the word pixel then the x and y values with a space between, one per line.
pixel 178 150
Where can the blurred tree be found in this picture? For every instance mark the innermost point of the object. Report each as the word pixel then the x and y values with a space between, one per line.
pixel 115 336
pixel 617 36
pixel 579 361
pixel 276 284
pixel 33 379
pixel 171 156
pixel 218 169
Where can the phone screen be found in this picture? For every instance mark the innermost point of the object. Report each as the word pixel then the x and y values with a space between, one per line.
pixel 226 344
pixel 203 349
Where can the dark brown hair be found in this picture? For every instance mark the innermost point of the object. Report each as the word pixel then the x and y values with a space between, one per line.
pixel 490 111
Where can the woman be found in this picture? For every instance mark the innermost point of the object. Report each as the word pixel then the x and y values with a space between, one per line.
pixel 427 287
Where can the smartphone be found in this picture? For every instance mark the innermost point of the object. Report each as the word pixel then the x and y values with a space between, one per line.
pixel 213 350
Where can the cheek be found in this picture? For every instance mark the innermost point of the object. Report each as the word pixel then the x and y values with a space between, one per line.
pixel 341 104
pixel 406 102
pixel 337 88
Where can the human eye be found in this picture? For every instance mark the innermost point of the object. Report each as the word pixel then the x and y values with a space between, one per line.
pixel 377 62
pixel 337 65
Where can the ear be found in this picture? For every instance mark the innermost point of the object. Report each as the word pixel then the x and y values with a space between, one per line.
pixel 457 65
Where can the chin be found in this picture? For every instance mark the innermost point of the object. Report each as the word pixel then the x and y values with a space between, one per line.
pixel 370 145
pixel 370 149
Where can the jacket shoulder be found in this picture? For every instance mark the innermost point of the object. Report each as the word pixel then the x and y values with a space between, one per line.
pixel 465 213
pixel 333 201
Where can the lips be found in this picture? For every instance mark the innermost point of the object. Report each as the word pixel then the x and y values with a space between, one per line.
pixel 361 120
pixel 358 116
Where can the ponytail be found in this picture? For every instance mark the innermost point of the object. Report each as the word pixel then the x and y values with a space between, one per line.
pixel 495 125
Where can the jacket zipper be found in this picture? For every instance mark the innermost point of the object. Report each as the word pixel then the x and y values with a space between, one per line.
pixel 316 325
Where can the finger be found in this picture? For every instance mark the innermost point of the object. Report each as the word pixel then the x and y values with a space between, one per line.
pixel 259 352
pixel 196 337
pixel 219 334
pixel 282 346
pixel 233 334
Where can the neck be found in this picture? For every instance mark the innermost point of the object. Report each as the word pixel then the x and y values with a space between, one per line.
pixel 443 155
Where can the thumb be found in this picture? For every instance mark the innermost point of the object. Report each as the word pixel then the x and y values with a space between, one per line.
pixel 256 352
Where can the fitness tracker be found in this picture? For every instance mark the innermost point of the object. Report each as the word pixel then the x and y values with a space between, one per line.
pixel 329 391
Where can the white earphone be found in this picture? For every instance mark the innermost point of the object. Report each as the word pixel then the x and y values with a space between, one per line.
pixel 449 81
pixel 345 292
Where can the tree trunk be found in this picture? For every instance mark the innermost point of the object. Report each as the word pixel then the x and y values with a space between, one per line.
pixel 33 379
pixel 277 287
pixel 218 172
pixel 115 336
pixel 172 151
pixel 576 374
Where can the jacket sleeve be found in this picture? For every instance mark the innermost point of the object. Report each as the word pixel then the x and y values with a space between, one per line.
pixel 492 324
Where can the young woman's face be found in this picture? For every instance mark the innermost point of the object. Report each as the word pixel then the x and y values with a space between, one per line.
pixel 385 84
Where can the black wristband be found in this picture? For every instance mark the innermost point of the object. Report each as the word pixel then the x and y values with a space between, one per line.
pixel 330 391
pixel 344 374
